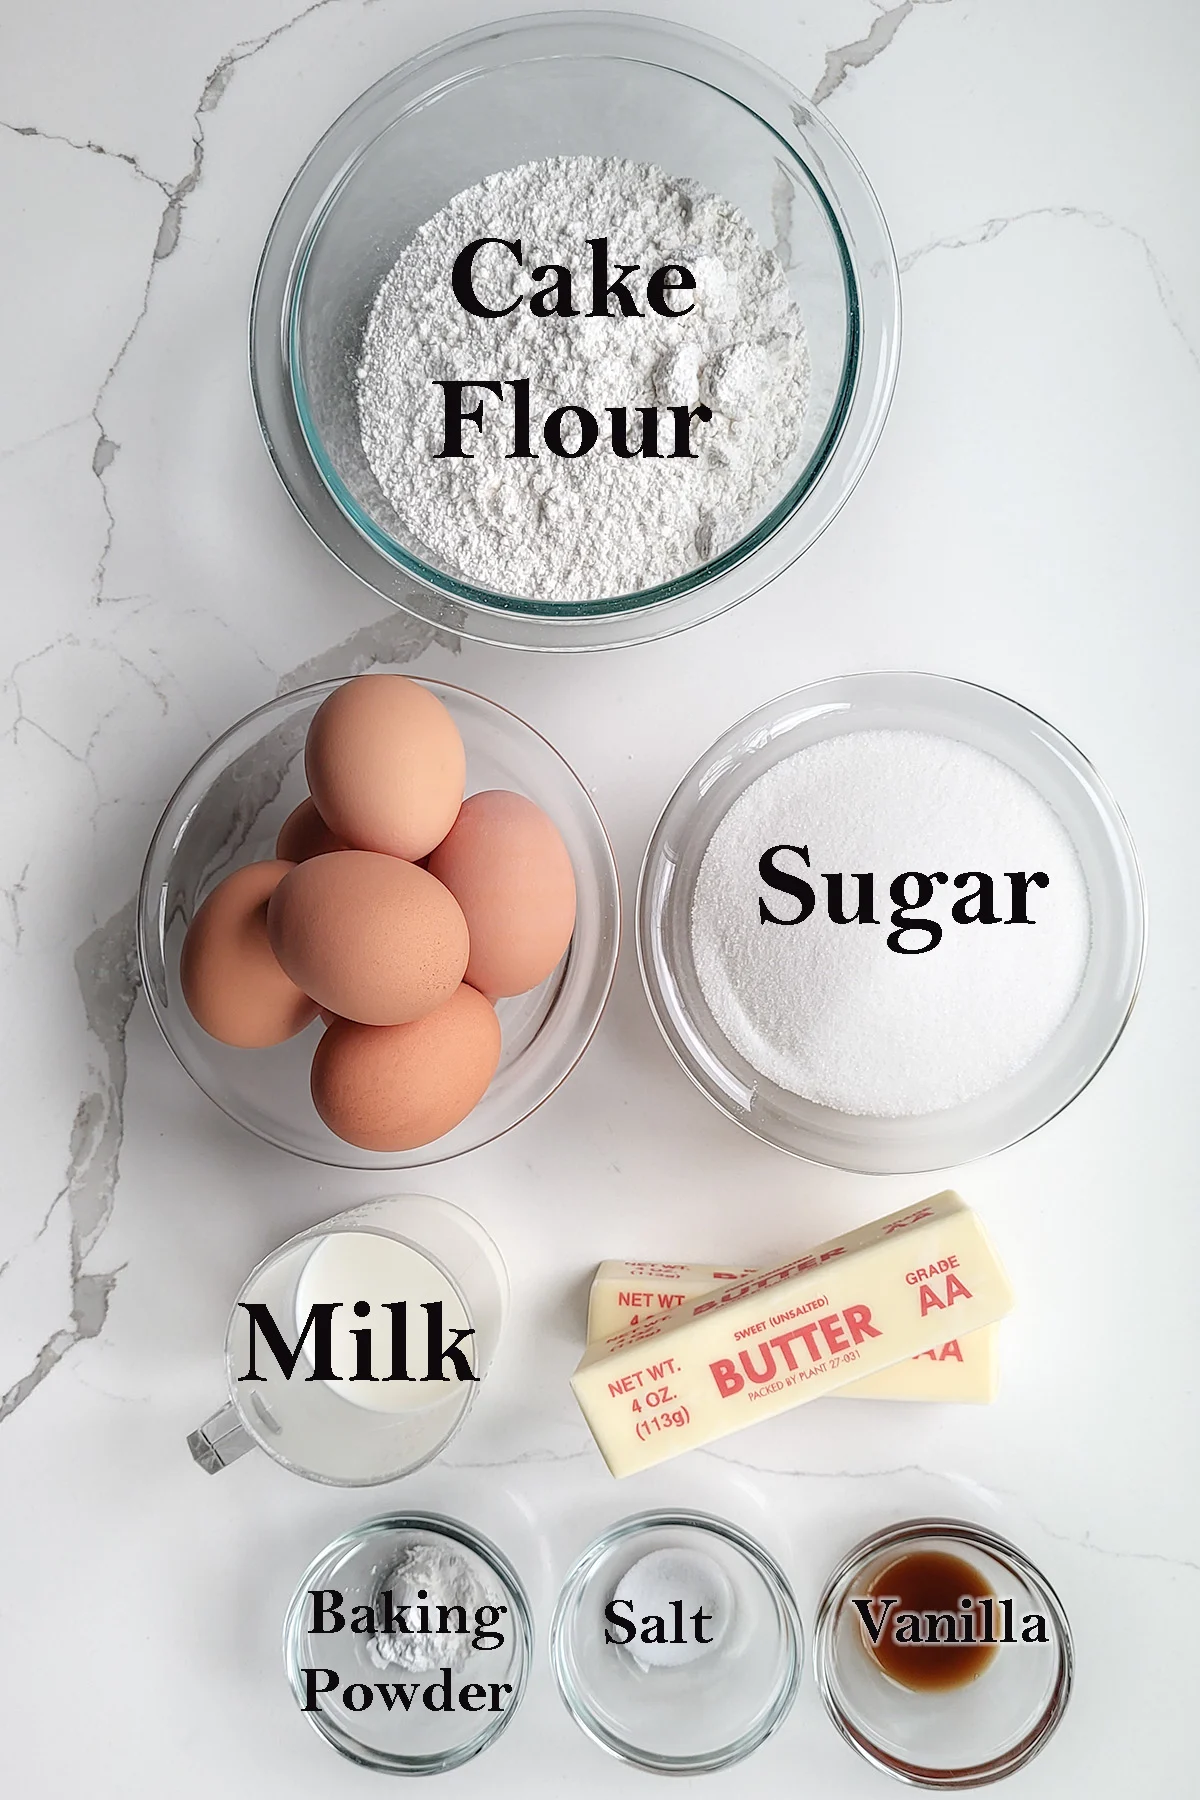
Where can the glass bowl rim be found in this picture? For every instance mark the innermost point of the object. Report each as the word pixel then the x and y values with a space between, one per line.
pixel 146 931
pixel 764 1565
pixel 649 939
pixel 868 261
pixel 969 1534
pixel 440 1525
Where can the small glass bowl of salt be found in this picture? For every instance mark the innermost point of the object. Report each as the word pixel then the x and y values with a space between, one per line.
pixel 891 922
pixel 676 1643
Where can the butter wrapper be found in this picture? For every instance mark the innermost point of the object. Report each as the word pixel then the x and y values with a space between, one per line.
pixel 770 1341
pixel 963 1371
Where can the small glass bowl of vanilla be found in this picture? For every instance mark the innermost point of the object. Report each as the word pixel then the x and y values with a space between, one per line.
pixel 942 1654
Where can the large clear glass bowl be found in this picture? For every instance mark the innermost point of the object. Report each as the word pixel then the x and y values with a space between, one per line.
pixel 583 84
pixel 228 811
pixel 1063 777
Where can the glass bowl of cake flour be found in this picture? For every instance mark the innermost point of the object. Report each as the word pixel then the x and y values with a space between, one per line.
pixel 891 922
pixel 574 331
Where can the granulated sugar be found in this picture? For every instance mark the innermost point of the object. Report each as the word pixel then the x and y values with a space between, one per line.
pixel 572 528
pixel 827 1010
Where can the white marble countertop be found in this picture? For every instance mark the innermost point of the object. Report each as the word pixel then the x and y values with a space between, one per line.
pixel 1025 523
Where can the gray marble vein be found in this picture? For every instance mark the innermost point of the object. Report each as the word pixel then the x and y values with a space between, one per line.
pixel 106 971
pixel 13 895
pixel 840 61
pixel 105 968
pixel 105 963
pixel 1086 1542
pixel 31 443
pixel 90 148
pixel 895 1471
pixel 740 1462
pixel 991 229
pixel 397 638
pixel 522 1458
pixel 166 242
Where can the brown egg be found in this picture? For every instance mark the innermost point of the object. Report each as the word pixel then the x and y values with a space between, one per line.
pixel 386 765
pixel 508 868
pixel 370 937
pixel 396 1087
pixel 232 982
pixel 304 833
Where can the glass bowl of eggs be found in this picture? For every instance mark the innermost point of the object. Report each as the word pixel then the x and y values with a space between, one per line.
pixel 410 968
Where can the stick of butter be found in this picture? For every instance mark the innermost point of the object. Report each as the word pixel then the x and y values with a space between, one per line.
pixel 768 1342
pixel 963 1370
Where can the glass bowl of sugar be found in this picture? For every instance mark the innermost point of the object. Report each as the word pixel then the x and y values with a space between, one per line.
pixel 574 331
pixel 891 922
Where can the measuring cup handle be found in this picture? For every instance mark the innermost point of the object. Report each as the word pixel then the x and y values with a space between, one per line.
pixel 220 1440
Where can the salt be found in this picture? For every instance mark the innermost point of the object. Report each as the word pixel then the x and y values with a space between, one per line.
pixel 659 1581
pixel 829 1011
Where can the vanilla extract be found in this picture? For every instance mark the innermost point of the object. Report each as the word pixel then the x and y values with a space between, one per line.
pixel 932 1622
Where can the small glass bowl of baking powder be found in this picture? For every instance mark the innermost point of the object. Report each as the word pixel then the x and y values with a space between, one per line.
pixel 227 811
pixel 504 95
pixel 676 1643
pixel 1110 955
pixel 948 1736
pixel 432 1674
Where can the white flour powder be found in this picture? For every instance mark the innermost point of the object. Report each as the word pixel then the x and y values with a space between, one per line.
pixel 827 1010
pixel 555 528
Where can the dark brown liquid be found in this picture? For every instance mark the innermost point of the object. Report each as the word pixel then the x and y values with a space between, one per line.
pixel 929 1582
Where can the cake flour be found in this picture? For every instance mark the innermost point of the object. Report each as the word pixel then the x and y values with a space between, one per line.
pixel 553 528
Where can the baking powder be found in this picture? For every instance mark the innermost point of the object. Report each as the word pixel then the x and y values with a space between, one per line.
pixel 572 528
pixel 433 1575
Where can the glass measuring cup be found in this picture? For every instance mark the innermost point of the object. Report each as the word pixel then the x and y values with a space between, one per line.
pixel 355 1350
